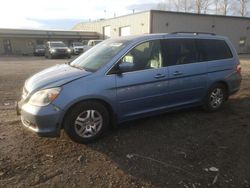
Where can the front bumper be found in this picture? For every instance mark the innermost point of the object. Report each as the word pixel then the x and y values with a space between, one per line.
pixel 45 121
pixel 78 50
pixel 60 54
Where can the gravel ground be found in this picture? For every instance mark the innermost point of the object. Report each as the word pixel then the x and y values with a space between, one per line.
pixel 188 148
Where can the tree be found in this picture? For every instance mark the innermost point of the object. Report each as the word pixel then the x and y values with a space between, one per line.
pixel 243 7
pixel 216 6
pixel 202 6
pixel 164 5
pixel 225 7
pixel 183 5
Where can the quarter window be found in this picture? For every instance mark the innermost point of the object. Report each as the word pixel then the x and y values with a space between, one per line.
pixel 211 50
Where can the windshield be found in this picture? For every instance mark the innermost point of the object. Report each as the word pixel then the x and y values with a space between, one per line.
pixel 57 44
pixel 99 55
pixel 77 44
pixel 41 46
pixel 97 42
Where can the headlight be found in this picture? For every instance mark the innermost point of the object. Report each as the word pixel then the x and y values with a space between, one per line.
pixel 68 50
pixel 44 97
pixel 53 50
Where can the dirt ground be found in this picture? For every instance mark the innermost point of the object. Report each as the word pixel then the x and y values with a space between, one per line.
pixel 189 148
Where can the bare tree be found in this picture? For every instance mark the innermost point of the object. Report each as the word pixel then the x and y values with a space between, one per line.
pixel 164 5
pixel 224 7
pixel 243 7
pixel 183 5
pixel 216 6
pixel 202 6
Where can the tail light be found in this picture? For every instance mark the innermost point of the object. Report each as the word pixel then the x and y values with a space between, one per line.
pixel 238 69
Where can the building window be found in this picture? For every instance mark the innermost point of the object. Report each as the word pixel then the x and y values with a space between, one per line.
pixel 124 31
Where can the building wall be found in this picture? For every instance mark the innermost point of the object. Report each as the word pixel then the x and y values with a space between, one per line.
pixel 1 46
pixel 139 24
pixel 235 28
pixel 232 27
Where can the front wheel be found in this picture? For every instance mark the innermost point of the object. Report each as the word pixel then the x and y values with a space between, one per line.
pixel 216 97
pixel 50 56
pixel 86 122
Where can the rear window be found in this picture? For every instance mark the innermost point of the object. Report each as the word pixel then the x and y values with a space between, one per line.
pixel 211 50
pixel 185 51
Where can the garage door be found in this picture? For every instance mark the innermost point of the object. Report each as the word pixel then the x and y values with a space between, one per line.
pixel 125 31
pixel 106 32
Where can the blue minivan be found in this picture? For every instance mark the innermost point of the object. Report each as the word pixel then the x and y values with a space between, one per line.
pixel 128 78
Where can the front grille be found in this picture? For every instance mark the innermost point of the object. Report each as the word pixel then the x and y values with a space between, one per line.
pixel 61 50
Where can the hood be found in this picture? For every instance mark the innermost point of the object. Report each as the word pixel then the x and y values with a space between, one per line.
pixel 53 77
pixel 65 48
pixel 78 46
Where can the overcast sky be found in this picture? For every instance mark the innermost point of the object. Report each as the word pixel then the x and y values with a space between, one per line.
pixel 64 14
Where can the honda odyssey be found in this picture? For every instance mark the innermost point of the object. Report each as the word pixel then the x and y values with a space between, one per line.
pixel 128 78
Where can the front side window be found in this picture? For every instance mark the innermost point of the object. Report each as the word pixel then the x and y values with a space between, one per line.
pixel 144 56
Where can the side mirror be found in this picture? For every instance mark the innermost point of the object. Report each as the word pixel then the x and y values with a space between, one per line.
pixel 125 67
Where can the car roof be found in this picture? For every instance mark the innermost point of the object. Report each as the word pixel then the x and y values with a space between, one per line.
pixel 55 42
pixel 172 35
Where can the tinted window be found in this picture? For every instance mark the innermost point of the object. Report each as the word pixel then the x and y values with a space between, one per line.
pixel 145 56
pixel 179 51
pixel 213 50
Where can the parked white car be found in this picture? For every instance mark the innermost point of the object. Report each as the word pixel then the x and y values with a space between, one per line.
pixel 90 44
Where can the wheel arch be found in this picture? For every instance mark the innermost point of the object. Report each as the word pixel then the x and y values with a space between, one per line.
pixel 107 105
pixel 224 83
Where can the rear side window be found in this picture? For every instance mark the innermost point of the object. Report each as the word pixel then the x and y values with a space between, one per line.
pixel 179 51
pixel 211 50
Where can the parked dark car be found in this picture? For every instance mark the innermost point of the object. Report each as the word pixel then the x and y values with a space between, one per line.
pixel 56 49
pixel 39 50
pixel 128 78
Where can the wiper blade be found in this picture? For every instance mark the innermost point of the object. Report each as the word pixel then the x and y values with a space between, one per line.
pixel 76 67
pixel 88 70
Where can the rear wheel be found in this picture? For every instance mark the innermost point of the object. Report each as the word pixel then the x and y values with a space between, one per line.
pixel 216 97
pixel 86 122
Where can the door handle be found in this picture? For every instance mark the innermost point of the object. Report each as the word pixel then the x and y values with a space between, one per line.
pixel 177 73
pixel 159 76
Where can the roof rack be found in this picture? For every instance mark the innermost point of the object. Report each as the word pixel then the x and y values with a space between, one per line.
pixel 194 33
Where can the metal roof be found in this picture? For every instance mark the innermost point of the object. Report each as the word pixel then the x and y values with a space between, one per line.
pixel 31 33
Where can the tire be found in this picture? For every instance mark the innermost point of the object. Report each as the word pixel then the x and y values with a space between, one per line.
pixel 50 56
pixel 215 98
pixel 86 122
pixel 69 56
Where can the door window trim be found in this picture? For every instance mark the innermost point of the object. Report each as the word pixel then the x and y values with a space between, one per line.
pixel 132 47
pixel 198 50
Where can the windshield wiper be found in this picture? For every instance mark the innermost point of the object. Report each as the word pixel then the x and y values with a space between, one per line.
pixel 75 66
pixel 88 70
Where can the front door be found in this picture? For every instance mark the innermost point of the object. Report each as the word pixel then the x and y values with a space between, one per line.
pixel 143 88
